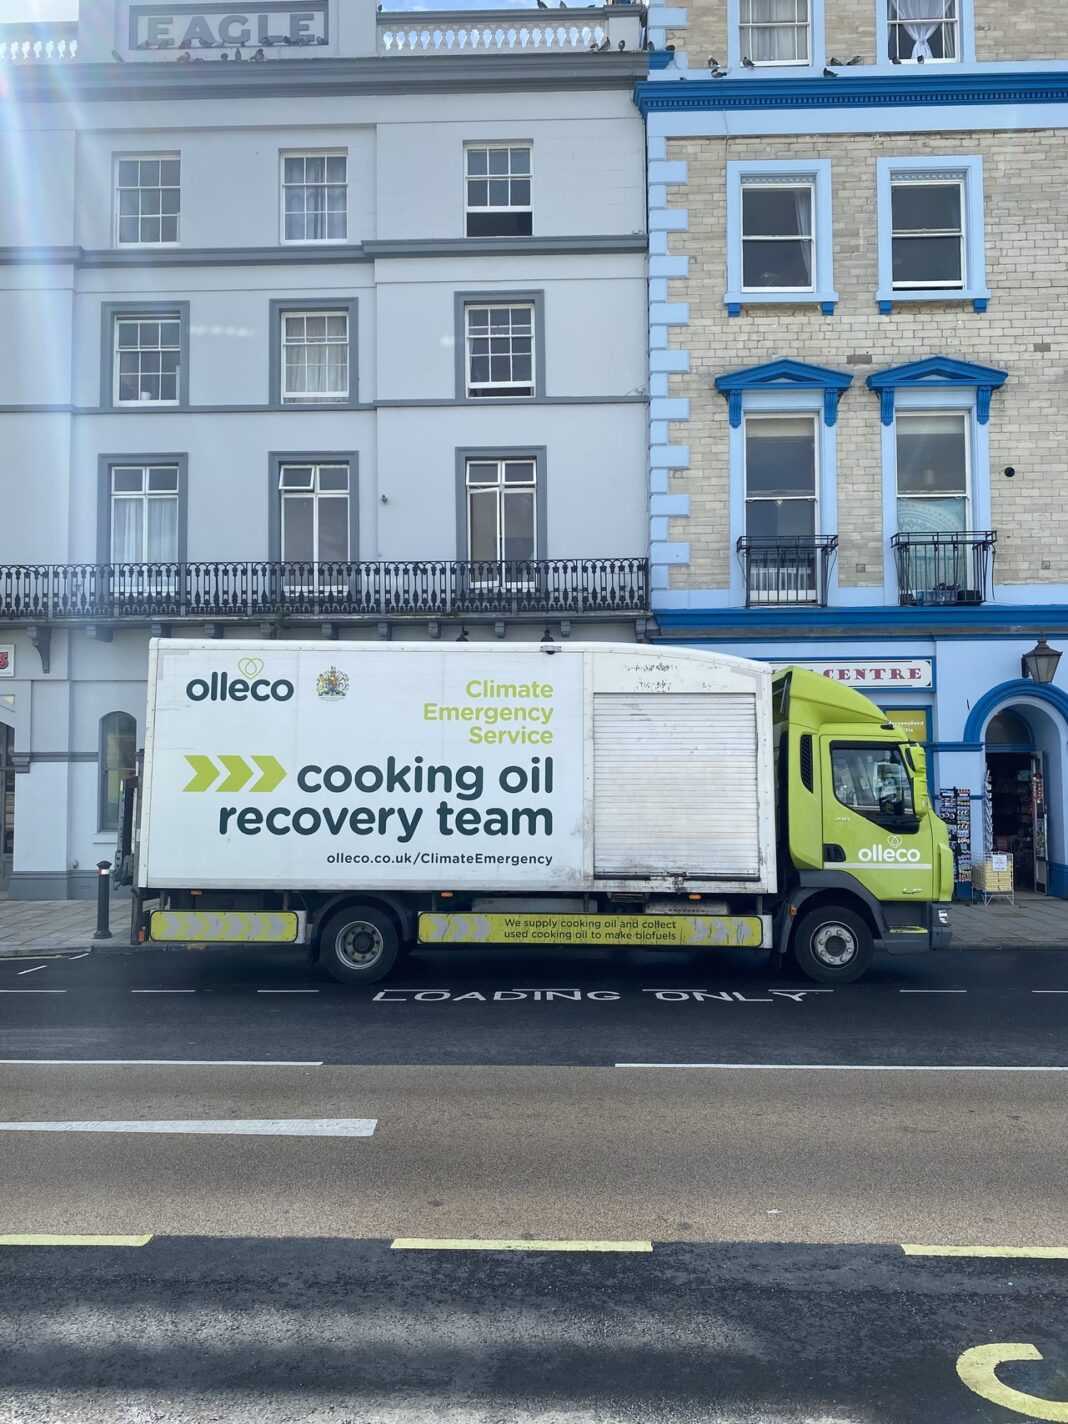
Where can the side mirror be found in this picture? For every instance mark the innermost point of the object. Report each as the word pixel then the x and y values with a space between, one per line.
pixel 918 758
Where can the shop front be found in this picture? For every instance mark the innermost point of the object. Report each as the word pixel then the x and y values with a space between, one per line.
pixel 997 741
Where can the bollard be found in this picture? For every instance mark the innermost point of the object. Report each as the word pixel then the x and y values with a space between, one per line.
pixel 103 900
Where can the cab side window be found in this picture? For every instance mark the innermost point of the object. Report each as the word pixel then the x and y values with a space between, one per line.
pixel 873 782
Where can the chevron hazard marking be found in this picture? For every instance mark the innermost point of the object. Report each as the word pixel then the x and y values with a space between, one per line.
pixel 236 773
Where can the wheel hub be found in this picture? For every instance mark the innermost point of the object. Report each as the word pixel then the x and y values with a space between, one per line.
pixel 359 944
pixel 834 945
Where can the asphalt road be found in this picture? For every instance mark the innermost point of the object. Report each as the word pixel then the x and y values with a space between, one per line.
pixel 767 1193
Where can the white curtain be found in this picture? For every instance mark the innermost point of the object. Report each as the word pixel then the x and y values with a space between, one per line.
pixel 774 35
pixel 921 18
pixel 162 531
pixel 126 531
pixel 803 207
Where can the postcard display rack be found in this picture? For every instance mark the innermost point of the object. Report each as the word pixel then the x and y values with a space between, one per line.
pixel 955 808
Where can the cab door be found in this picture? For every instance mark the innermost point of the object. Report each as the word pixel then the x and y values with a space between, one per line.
pixel 873 827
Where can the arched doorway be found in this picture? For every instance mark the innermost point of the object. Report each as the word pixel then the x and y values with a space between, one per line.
pixel 1017 745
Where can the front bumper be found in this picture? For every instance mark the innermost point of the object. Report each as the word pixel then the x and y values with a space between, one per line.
pixel 932 932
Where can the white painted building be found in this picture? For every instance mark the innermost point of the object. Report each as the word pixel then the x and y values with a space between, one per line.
pixel 320 321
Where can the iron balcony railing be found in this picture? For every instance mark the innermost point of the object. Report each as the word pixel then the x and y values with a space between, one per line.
pixel 786 568
pixel 944 567
pixel 127 593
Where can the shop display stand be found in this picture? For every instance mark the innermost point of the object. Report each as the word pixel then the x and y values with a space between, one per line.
pixel 955 808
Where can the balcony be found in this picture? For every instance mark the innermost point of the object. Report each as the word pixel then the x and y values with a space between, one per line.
pixel 364 592
pixel 941 568
pixel 790 569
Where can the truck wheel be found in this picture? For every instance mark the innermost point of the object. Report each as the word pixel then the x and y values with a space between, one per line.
pixel 832 946
pixel 359 945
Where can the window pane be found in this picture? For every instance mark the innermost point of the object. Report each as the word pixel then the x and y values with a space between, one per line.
pixel 498 160
pixel 128 173
pixel 127 479
pixel 335 169
pixel 520 192
pixel 334 477
pixel 777 264
pixel 519 526
pixel 520 160
pixel 932 454
pixel 162 541
pixel 128 229
pixel 333 529
pixel 293 169
pixel 169 230
pixel 477 162
pixel 127 521
pixel 923 261
pixel 480 474
pixel 776 212
pixel 771 517
pixel 920 207
pixel 872 780
pixel 297 533
pixel 483 525
pixel 780 456
pixel 148 177
pixel 932 516
pixel 170 172
pixel 519 472
pixel 296 477
pixel 162 479
pixel 118 754
pixel 499 190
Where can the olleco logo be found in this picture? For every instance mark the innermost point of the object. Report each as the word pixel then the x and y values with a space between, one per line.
pixel 220 687
pixel 890 853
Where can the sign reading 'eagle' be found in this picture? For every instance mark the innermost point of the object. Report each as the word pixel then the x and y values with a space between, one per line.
pixel 212 26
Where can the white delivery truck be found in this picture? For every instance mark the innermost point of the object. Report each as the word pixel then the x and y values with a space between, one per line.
pixel 362 798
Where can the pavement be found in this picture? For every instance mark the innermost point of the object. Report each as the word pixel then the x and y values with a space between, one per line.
pixel 532 1189
pixel 1034 922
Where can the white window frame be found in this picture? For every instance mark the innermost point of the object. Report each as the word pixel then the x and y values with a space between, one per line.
pixel 315 495
pixel 119 158
pixel 944 410
pixel 486 390
pixel 746 24
pixel 968 171
pixel 772 69
pixel 754 413
pixel 488 144
pixel 143 498
pixel 789 173
pixel 945 400
pixel 965 39
pixel 304 398
pixel 501 489
pixel 909 180
pixel 800 186
pixel 118 319
pixel 305 153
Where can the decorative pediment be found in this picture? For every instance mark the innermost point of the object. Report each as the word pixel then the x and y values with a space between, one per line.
pixel 937 373
pixel 784 375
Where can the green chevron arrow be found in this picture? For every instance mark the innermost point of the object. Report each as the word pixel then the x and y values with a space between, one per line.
pixel 239 772
pixel 274 773
pixel 206 772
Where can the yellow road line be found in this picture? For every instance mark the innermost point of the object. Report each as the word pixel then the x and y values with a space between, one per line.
pixel 412 1243
pixel 43 1239
pixel 1038 1253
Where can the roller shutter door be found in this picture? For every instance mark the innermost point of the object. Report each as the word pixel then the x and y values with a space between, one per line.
pixel 675 785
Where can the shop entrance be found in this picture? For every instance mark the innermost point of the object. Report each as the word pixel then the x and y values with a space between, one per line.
pixel 1016 799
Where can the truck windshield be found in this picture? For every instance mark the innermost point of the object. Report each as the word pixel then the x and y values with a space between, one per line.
pixel 872 781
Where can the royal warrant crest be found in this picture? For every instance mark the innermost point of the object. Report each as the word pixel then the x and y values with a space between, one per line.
pixel 332 684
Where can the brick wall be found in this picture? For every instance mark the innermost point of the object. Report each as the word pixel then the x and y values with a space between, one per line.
pixel 1025 331
pixel 1032 29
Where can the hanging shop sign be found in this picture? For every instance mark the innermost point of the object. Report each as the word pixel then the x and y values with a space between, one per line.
pixel 7 660
pixel 893 674
pixel 271 24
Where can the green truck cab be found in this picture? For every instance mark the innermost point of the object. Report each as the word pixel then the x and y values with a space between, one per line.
pixel 863 857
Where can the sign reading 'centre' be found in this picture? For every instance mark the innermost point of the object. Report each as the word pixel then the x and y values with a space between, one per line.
pixel 211 26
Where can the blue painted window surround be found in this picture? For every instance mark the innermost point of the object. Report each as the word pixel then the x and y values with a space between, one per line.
pixel 969 172
pixel 796 173
pixel 783 388
pixel 937 385
pixel 965 37
pixel 776 69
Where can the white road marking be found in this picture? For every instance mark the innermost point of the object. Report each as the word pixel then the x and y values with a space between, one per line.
pixel 287 991
pixel 932 991
pixel 859 1067
pixel 414 1243
pixel 33 970
pixel 220 1127
pixel 33 991
pixel 162 991
pixel 1049 991
pixel 169 1062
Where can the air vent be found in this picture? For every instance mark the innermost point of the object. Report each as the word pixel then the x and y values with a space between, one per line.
pixel 806 761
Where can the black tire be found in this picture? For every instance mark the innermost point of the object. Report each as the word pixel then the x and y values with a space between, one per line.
pixel 359 945
pixel 832 945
